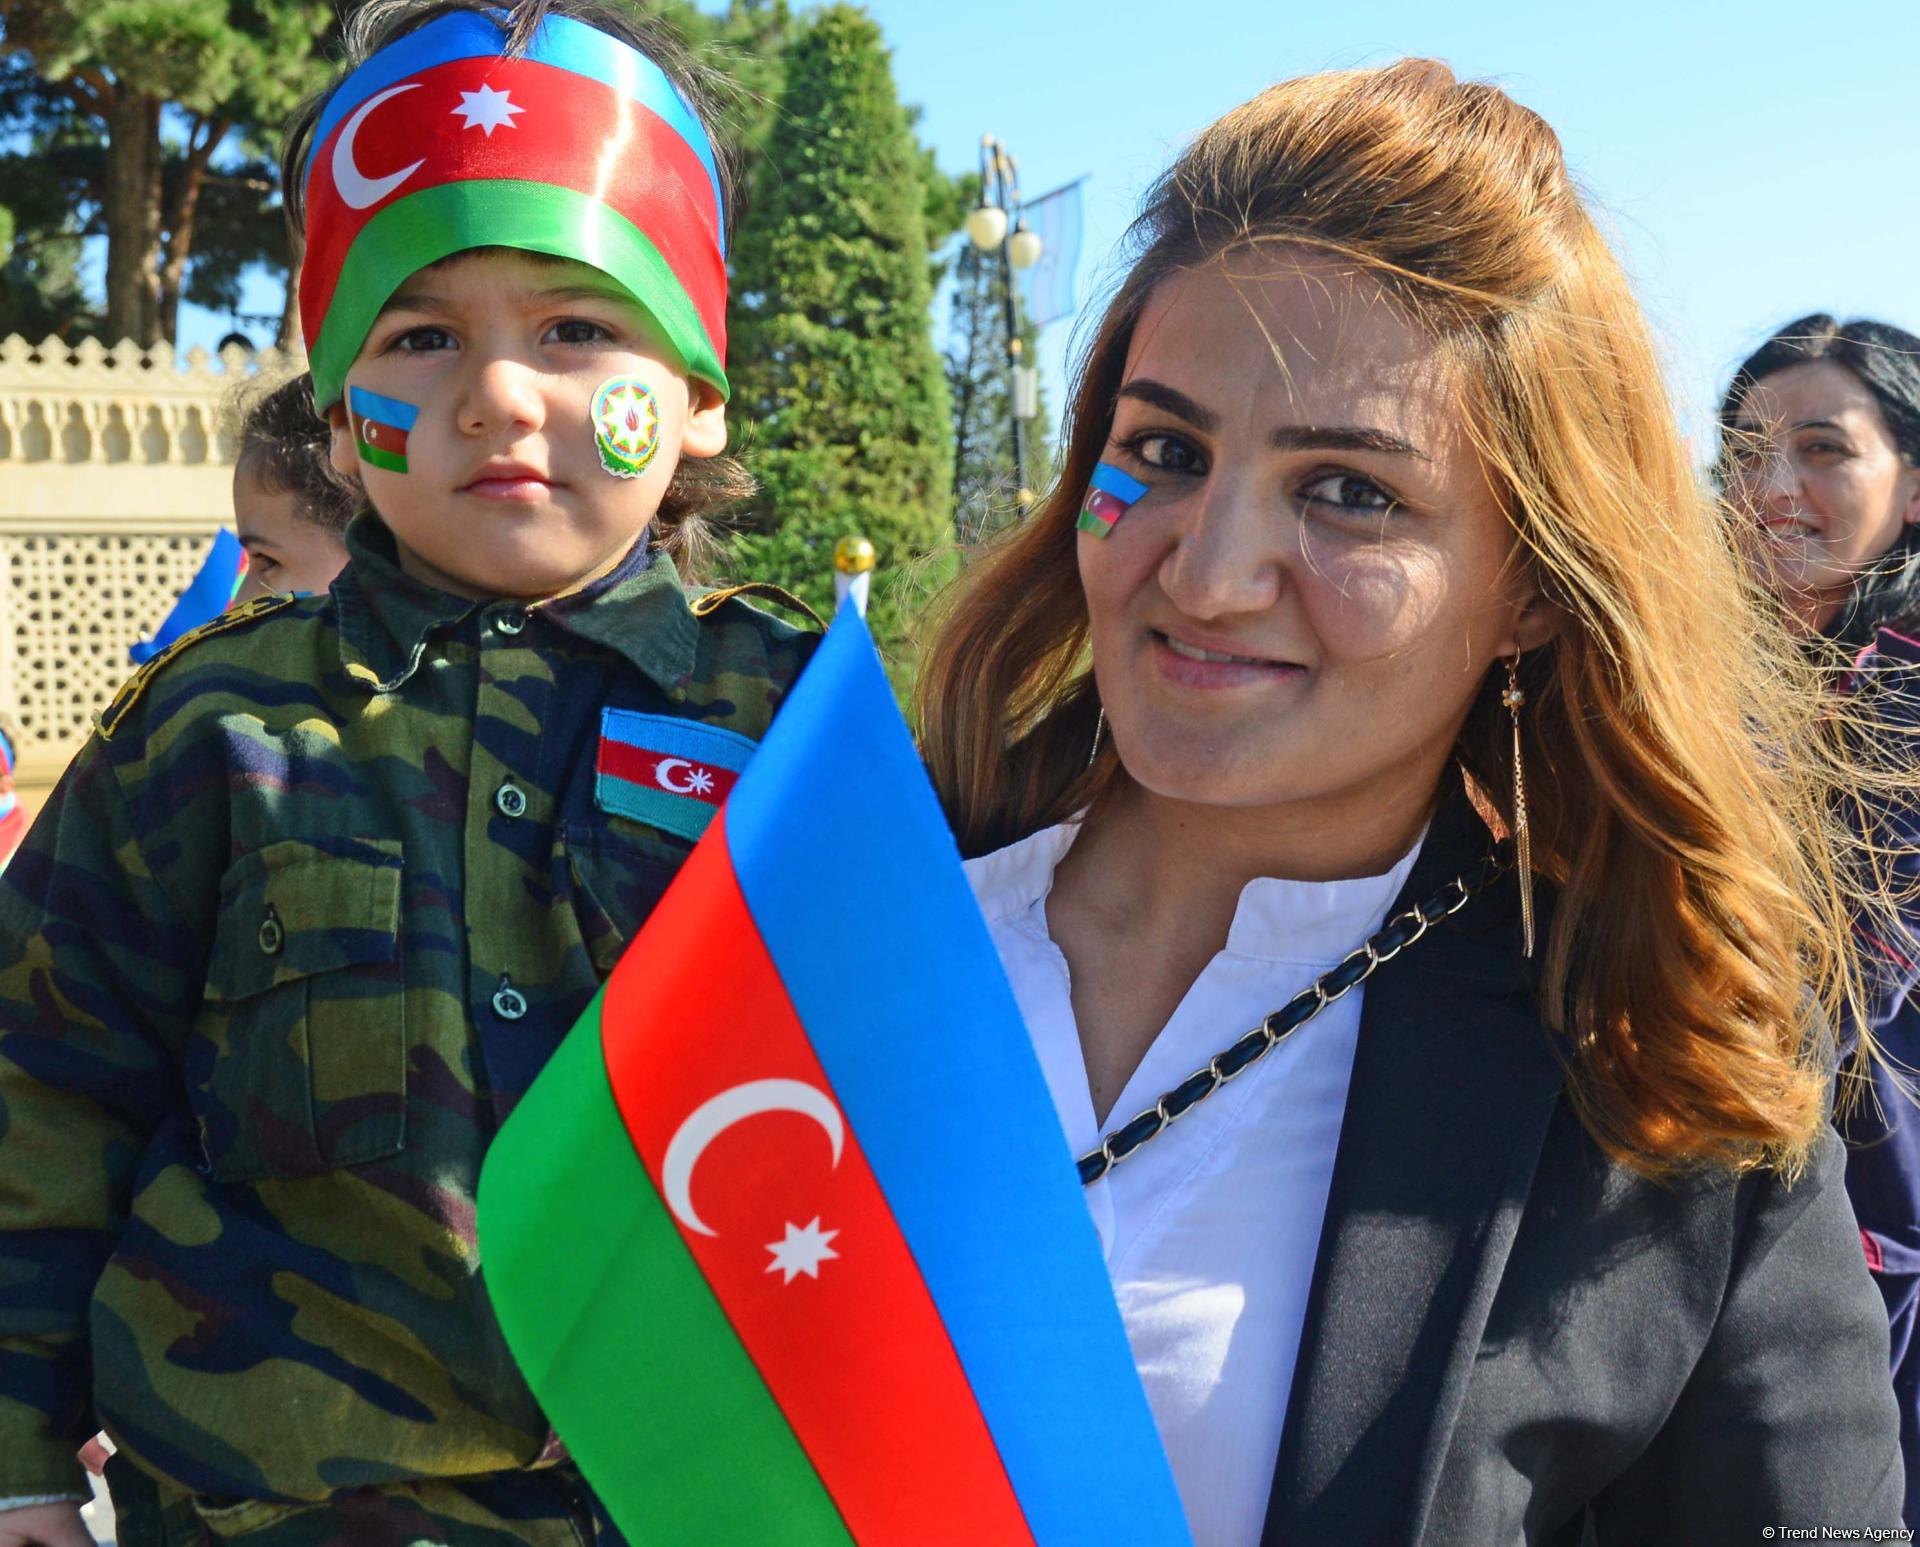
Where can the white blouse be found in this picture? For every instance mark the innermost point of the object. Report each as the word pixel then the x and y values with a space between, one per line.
pixel 1211 1230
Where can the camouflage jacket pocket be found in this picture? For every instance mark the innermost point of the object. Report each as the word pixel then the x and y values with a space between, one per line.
pixel 299 1058
pixel 615 878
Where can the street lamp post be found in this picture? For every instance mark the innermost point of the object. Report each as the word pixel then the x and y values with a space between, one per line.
pixel 987 229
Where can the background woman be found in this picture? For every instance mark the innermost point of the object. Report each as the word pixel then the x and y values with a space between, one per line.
pixel 1820 448
pixel 1496 1247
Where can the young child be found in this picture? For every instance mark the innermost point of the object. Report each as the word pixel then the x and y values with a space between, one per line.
pixel 336 873
pixel 290 508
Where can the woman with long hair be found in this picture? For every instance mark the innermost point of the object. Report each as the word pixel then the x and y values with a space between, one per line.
pixel 1820 454
pixel 1451 1192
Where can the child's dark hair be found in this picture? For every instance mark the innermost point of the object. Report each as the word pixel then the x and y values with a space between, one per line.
pixel 700 486
pixel 282 445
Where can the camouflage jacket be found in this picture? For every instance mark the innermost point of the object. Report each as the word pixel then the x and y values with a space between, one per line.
pixel 299 926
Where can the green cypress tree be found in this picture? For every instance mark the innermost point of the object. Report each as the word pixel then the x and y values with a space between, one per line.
pixel 840 402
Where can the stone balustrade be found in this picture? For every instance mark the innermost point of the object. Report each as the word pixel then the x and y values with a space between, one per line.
pixel 115 472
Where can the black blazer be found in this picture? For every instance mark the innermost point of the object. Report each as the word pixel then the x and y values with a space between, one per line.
pixel 1511 1339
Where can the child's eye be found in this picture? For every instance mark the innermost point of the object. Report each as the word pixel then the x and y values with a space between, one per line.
pixel 1348 492
pixel 577 330
pixel 1169 453
pixel 422 340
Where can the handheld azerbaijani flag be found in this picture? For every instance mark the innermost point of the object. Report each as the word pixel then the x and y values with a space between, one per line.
pixel 208 594
pixel 829 1277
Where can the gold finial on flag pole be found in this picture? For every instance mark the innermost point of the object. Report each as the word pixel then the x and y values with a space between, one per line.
pixel 853 561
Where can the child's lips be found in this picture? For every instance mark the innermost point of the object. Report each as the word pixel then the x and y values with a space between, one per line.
pixel 511 482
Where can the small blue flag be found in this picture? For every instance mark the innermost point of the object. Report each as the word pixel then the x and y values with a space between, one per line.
pixel 221 572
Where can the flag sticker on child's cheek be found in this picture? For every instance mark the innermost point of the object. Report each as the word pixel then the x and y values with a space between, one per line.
pixel 381 426
pixel 1110 494
pixel 626 425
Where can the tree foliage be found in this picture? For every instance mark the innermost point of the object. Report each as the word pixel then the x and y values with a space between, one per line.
pixel 985 490
pixel 840 402
pixel 165 113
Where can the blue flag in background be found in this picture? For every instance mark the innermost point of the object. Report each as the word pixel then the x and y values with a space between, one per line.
pixel 1059 220
pixel 204 600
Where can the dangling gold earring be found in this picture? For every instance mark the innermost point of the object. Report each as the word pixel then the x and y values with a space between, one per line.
pixel 1099 730
pixel 1513 698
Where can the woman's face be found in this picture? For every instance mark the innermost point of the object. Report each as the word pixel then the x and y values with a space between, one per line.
pixel 1812 461
pixel 1307 598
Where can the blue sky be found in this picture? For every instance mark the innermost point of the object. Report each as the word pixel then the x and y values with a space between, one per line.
pixel 1754 160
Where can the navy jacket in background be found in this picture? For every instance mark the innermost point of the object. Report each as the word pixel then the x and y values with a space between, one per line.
pixel 1883 1129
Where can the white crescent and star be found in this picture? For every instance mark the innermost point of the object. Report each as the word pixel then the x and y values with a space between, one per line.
pixel 485 109
pixel 714 1117
pixel 698 780
pixel 358 191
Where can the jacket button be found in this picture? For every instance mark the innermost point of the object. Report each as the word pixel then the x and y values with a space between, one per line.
pixel 510 622
pixel 508 1002
pixel 272 936
pixel 510 800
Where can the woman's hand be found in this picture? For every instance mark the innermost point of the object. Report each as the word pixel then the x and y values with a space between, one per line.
pixel 44 1525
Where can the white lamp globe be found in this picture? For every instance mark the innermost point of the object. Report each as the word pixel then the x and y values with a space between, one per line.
pixel 1023 248
pixel 987 227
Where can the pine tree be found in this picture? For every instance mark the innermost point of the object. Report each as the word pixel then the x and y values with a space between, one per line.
pixel 840 403
pixel 985 491
pixel 157 91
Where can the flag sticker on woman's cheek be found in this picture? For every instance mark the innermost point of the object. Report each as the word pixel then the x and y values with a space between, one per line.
pixel 626 425
pixel 381 426
pixel 1110 494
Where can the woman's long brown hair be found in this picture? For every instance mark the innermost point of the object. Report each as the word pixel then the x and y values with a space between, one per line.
pixel 1683 778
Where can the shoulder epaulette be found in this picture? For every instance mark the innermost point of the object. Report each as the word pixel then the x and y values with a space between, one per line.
pixel 710 601
pixel 131 690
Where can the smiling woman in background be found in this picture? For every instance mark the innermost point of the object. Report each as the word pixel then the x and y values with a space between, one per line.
pixel 1820 449
pixel 1375 534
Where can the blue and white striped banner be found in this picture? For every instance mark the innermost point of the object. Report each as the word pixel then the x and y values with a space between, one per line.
pixel 1059 220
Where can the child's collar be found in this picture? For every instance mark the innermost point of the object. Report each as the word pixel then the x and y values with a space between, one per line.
pixel 638 610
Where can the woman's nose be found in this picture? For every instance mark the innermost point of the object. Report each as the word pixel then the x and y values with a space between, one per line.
pixel 501 394
pixel 1781 488
pixel 1226 559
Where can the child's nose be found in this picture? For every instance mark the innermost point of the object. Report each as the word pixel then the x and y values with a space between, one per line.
pixel 502 394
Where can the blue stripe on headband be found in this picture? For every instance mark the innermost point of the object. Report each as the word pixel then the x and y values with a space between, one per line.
pixel 1122 486
pixel 560 41
pixel 382 410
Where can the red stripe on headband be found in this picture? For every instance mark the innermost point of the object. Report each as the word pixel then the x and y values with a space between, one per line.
pixel 548 126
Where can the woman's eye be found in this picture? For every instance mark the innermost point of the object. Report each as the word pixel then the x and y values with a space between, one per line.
pixel 1168 452
pixel 1348 491
pixel 577 330
pixel 422 341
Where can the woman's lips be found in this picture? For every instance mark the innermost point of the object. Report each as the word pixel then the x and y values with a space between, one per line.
pixel 1195 665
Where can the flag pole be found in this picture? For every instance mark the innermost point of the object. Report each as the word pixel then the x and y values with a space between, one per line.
pixel 853 560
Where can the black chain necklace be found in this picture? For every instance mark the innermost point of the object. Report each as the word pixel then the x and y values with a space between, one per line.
pixel 1238 1057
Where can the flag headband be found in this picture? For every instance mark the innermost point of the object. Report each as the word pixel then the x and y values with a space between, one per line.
pixel 580 147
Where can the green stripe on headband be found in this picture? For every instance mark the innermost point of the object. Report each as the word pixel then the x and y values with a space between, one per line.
pixel 436 223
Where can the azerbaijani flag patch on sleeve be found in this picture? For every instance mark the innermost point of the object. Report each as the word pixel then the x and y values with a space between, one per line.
pixel 667 772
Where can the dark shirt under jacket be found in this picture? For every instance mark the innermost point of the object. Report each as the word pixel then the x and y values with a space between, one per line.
pixel 1882 1127
pixel 1512 1339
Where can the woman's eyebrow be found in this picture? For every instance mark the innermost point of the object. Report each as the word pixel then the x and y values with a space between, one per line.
pixel 1291 437
pixel 1345 437
pixel 1158 394
pixel 1819 424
